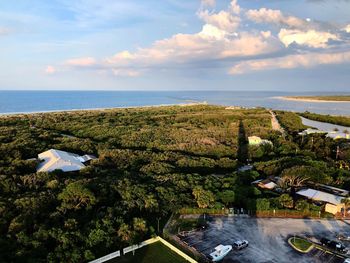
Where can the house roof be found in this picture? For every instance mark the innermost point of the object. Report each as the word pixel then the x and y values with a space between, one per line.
pixel 333 189
pixel 320 196
pixel 267 183
pixel 59 160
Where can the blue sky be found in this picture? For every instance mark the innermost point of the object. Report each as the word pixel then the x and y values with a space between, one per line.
pixel 299 45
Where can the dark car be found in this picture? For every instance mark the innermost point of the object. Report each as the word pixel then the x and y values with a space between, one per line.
pixel 333 245
pixel 240 244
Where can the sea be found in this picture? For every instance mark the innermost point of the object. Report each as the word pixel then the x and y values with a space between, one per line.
pixel 12 102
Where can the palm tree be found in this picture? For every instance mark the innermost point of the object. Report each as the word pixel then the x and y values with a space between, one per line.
pixel 346 202
pixel 292 181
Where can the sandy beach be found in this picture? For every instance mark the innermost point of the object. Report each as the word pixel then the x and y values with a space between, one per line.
pixel 12 114
pixel 311 100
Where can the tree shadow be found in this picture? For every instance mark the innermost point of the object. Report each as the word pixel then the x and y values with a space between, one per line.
pixel 242 151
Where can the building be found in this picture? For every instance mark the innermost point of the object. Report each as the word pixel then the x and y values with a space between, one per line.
pixel 52 160
pixel 265 184
pixel 332 202
pixel 333 190
pixel 330 134
pixel 255 140
pixel 270 183
pixel 311 131
pixel 338 135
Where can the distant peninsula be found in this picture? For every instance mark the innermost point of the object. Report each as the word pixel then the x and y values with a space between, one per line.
pixel 331 98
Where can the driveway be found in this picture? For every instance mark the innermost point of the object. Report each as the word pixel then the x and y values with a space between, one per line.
pixel 267 238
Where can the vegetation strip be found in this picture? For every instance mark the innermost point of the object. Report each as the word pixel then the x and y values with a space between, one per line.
pixel 340 98
pixel 151 162
pixel 300 244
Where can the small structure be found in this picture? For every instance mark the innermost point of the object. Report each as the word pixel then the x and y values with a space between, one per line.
pixel 332 201
pixel 52 160
pixel 268 184
pixel 338 135
pixel 311 131
pixel 256 140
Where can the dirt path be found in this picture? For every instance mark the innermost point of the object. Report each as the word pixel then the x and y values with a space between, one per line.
pixel 275 124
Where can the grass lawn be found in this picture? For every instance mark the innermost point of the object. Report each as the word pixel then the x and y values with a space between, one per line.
pixel 301 244
pixel 154 253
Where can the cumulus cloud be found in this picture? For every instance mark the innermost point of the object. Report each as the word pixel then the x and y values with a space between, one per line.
pixel 234 7
pixel 217 40
pixel 81 62
pixel 223 20
pixel 210 43
pixel 264 15
pixel 224 38
pixel 50 70
pixel 310 38
pixel 291 61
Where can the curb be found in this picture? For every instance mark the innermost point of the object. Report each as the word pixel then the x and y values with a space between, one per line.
pixel 299 250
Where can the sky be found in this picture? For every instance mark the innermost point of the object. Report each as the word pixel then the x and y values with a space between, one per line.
pixel 283 45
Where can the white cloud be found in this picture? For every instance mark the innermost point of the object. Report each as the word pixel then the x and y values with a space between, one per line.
pixel 223 20
pixel 126 73
pixel 81 62
pixel 223 38
pixel 234 7
pixel 347 28
pixel 217 40
pixel 210 43
pixel 292 61
pixel 208 3
pixel 310 38
pixel 50 70
pixel 264 15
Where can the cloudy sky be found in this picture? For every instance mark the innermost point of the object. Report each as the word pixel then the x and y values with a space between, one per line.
pixel 299 45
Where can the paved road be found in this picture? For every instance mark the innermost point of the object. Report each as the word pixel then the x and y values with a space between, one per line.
pixel 267 238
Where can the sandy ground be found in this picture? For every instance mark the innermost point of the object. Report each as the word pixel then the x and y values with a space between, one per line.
pixel 267 238
pixel 14 114
pixel 311 100
pixel 275 124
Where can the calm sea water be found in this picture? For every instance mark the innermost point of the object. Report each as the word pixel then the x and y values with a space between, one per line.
pixel 41 101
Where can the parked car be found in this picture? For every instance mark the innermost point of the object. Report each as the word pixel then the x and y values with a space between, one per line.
pixel 343 237
pixel 347 260
pixel 333 245
pixel 240 244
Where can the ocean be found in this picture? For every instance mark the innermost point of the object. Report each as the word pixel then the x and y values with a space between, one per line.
pixel 43 101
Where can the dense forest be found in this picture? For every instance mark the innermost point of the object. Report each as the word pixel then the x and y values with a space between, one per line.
pixel 151 163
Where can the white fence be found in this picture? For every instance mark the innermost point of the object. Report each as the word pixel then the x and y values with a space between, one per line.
pixel 107 257
pixel 142 244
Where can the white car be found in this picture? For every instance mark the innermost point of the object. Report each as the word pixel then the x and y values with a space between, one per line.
pixel 240 244
pixel 347 260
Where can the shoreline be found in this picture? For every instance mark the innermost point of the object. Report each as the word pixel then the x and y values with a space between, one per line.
pixel 310 100
pixel 11 114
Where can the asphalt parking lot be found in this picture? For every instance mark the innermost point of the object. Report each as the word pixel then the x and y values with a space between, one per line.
pixel 267 238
